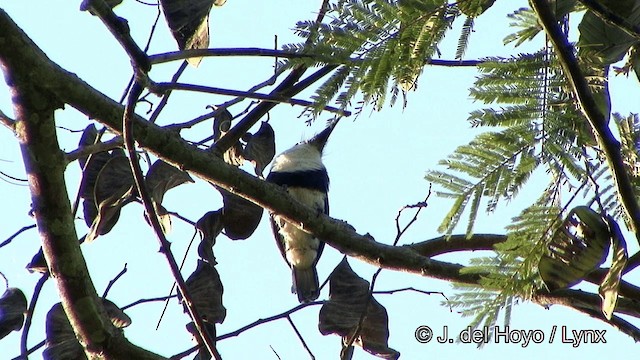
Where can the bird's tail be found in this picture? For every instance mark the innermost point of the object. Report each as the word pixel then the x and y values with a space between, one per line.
pixel 305 284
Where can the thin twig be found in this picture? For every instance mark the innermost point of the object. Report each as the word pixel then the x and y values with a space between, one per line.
pixel 194 53
pixel 419 206
pixel 286 89
pixel 163 88
pixel 10 238
pixel 268 319
pixel 120 30
pixel 127 125
pixel 154 26
pixel 165 97
pixel 142 301
pixel 304 343
pixel 250 326
pixel 6 281
pixel 346 347
pixel 275 353
pixel 122 272
pixel 8 122
pixel 32 307
pixel 30 351
pixel 13 178
pixel 173 286
pixel 93 149
pixel 390 292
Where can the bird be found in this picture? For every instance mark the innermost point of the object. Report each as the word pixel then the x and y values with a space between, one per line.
pixel 301 172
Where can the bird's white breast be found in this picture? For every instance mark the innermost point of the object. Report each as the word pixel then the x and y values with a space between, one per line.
pixel 301 248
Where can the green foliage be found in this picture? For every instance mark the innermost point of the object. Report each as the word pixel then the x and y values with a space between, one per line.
pixel 513 273
pixel 541 127
pixel 499 163
pixel 382 47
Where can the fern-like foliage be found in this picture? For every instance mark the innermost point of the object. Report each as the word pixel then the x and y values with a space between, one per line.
pixel 381 46
pixel 542 127
pixel 495 166
pixel 513 273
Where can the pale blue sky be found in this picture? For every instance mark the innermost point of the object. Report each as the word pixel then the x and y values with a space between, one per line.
pixel 376 163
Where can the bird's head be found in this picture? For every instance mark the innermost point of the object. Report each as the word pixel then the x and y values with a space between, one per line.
pixel 306 155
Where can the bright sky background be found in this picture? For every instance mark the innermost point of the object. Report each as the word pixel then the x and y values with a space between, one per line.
pixel 376 162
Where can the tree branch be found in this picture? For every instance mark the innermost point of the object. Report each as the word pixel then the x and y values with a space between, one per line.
pixel 44 162
pixel 454 243
pixel 186 54
pixel 94 148
pixel 170 147
pixel 152 216
pixel 606 141
pixel 8 122
pixel 589 304
pixel 612 18
pixel 119 28
pixel 164 87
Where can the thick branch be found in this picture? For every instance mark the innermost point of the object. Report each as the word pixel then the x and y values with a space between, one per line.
pixel 170 147
pixel 45 164
pixel 454 243
pixel 606 141
pixel 590 304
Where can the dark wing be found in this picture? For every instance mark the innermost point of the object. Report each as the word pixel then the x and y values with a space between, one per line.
pixel 321 246
pixel 278 238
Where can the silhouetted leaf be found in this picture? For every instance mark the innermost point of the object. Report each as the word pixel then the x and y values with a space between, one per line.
pixel 240 216
pixel 221 123
pixel 38 263
pixel 114 188
pixel 608 290
pixel 89 136
pixel 162 177
pixel 189 23
pixel 116 315
pixel 341 315
pixel 89 211
pixel 607 41
pixel 203 353
pixel 209 226
pixel 61 342
pixel 13 305
pixel 580 245
pixel 261 148
pixel 90 174
pixel 164 218
pixel 206 290
pixel 473 8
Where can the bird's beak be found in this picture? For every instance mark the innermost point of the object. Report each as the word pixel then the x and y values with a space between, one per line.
pixel 320 140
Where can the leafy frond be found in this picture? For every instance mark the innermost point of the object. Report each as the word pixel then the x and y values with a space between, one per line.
pixel 512 273
pixel 526 20
pixel 380 45
pixel 494 165
pixel 463 40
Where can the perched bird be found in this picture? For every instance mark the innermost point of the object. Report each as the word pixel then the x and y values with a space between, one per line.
pixel 301 171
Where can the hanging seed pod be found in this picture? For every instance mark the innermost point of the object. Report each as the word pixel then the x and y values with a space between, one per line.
pixel 578 247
